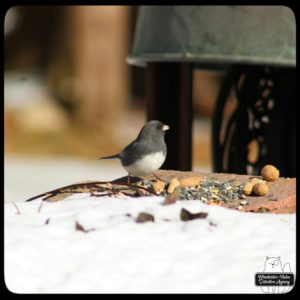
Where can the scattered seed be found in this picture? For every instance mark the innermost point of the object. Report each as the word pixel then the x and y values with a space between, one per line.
pixel 269 173
pixel 244 202
pixel 260 189
pixel 190 181
pixel 247 189
pixel 256 180
pixel 158 186
pixel 173 184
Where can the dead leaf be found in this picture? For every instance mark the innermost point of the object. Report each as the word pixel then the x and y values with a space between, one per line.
pixel 172 198
pixel 263 210
pixel 185 215
pixel 212 223
pixel 144 217
pixel 79 227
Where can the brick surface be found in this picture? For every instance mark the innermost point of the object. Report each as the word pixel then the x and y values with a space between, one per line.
pixel 280 199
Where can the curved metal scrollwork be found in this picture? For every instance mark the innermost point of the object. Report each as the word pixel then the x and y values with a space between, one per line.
pixel 261 127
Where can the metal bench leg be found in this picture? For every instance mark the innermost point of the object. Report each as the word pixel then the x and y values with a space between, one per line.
pixel 169 99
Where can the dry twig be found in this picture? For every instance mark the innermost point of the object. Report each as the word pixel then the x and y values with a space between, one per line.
pixel 15 205
pixel 93 188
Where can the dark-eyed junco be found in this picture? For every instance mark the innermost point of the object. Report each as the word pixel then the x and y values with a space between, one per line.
pixel 146 153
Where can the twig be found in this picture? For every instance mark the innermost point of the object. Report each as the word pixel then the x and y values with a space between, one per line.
pixel 15 205
pixel 92 186
pixel 40 207
pixel 38 196
pixel 157 177
pixel 136 187
pixel 61 189
pixel 92 194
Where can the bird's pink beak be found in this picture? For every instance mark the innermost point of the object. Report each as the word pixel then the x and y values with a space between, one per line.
pixel 165 127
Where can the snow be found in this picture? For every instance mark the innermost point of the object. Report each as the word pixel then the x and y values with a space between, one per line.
pixel 122 256
pixel 28 176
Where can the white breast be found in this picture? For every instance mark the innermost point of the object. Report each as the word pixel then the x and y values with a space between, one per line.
pixel 146 165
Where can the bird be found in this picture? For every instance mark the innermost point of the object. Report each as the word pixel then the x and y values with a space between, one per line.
pixel 146 153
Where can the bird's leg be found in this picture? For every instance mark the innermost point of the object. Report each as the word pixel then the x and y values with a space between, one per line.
pixel 128 178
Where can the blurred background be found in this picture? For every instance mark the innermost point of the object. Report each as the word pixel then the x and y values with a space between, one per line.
pixel 70 96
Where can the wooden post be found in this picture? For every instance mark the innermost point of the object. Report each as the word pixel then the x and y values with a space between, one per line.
pixel 92 70
pixel 169 99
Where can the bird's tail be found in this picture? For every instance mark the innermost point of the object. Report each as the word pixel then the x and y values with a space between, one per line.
pixel 116 156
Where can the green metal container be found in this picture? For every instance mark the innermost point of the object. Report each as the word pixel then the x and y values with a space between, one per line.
pixel 215 35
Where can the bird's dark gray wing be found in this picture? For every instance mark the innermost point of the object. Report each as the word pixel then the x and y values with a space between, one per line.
pixel 138 149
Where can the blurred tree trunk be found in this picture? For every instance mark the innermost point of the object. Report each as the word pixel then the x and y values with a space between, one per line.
pixel 89 73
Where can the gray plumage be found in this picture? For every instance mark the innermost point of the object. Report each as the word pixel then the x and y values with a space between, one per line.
pixel 149 144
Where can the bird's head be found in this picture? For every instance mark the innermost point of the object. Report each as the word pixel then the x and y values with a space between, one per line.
pixel 155 128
